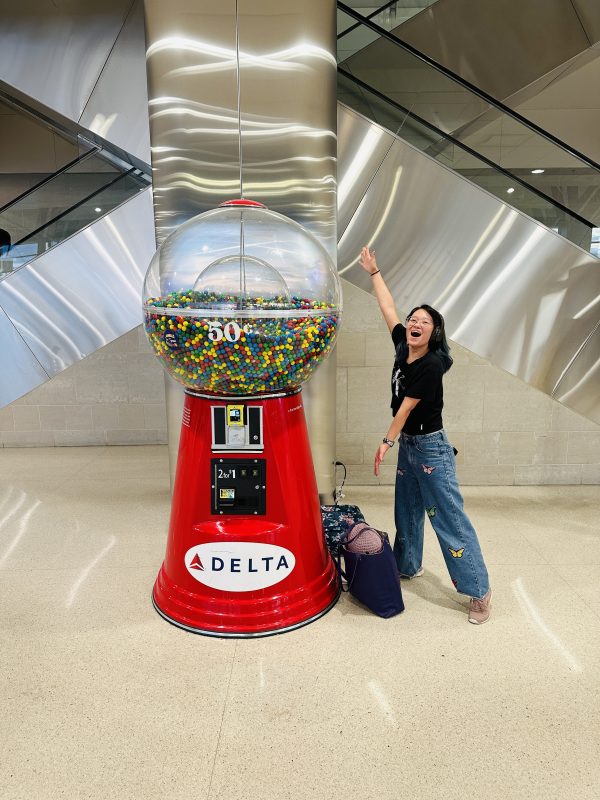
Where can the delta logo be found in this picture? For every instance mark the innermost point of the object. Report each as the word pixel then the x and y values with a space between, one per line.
pixel 239 566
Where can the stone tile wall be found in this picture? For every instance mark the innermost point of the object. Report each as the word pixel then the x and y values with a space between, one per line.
pixel 115 396
pixel 506 432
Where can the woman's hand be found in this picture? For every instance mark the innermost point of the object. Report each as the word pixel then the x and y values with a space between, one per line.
pixel 381 451
pixel 367 260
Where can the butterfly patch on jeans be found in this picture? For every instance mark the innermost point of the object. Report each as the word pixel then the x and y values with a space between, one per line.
pixel 427 470
pixel 457 553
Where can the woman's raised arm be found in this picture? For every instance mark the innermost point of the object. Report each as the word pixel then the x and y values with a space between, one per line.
pixel 382 293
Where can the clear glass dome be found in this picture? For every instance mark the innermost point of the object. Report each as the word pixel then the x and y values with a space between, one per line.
pixel 241 300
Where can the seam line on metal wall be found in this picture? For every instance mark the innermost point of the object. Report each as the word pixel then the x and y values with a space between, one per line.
pixel 110 52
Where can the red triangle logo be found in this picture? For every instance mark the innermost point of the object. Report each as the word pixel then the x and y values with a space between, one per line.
pixel 196 563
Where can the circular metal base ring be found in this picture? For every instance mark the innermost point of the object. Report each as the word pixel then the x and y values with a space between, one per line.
pixel 234 635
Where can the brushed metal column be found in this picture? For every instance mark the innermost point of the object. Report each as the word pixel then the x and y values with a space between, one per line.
pixel 287 104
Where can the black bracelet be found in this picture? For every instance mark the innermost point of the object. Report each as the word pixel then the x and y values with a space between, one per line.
pixel 374 273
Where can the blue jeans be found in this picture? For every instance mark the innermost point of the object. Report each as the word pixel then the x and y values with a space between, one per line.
pixel 426 483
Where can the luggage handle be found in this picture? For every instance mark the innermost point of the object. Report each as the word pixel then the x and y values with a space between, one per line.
pixel 337 493
pixel 341 574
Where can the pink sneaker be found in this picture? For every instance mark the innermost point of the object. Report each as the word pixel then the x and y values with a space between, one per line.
pixel 479 610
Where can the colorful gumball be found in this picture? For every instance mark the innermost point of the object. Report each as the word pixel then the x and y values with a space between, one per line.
pixel 220 352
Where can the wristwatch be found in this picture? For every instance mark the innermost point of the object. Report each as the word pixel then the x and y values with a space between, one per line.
pixel 389 442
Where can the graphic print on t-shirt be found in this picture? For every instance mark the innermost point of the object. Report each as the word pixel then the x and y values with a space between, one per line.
pixel 398 379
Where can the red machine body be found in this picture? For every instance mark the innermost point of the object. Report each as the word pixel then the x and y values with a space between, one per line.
pixel 246 555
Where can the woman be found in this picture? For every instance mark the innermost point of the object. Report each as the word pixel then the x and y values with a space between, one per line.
pixel 426 476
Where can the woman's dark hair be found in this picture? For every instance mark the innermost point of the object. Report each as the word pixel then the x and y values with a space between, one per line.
pixel 437 342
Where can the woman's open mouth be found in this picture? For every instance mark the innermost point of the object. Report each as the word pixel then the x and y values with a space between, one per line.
pixel 415 334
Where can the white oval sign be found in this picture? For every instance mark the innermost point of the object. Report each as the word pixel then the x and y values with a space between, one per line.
pixel 239 566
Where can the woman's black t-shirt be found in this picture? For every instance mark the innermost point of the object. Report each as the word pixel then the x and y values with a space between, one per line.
pixel 421 380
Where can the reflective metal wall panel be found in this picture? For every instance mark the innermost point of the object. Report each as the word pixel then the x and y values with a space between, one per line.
pixel 287 102
pixel 579 382
pixel 192 95
pixel 285 112
pixel 118 107
pixel 511 290
pixel 21 370
pixel 55 52
pixel 86 292
pixel 362 158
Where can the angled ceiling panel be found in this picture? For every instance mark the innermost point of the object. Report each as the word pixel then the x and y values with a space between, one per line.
pixel 54 52
pixel 589 17
pixel 504 45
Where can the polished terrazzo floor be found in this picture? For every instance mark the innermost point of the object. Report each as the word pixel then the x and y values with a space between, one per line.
pixel 101 698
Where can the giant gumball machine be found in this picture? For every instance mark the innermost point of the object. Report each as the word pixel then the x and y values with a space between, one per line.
pixel 241 304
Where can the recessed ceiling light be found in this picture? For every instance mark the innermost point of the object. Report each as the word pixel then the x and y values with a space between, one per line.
pixel 510 191
pixel 536 171
pixel 97 210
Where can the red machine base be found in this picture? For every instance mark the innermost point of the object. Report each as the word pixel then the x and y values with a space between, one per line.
pixel 246 555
